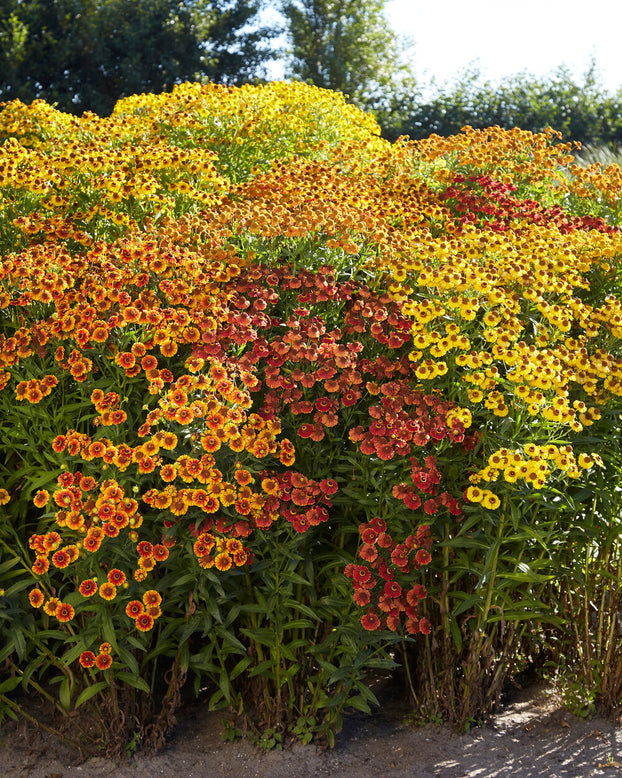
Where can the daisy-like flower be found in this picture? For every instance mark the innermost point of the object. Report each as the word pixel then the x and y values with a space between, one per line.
pixel 370 621
pixel 107 591
pixel 51 605
pixel 423 557
pixel 116 577
pixel 87 659
pixel 61 559
pixel 88 587
pixel 134 609
pixel 64 612
pixel 103 661
pixel 41 565
pixel 223 561
pixel 160 552
pixel 144 622
pixel 145 549
pixel 151 597
pixel 36 598
pixel 41 498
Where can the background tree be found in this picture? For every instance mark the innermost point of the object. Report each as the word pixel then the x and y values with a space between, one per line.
pixel 348 46
pixel 580 108
pixel 86 54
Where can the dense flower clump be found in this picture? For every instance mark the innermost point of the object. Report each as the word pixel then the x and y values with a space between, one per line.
pixel 273 384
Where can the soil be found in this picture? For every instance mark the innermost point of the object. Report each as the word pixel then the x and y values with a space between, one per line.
pixel 532 736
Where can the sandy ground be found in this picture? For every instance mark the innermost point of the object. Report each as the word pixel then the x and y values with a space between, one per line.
pixel 531 737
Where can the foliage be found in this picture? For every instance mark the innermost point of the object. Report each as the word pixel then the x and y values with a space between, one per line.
pixel 86 54
pixel 284 405
pixel 347 46
pixel 578 108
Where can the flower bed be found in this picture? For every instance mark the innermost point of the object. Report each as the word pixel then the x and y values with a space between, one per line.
pixel 284 405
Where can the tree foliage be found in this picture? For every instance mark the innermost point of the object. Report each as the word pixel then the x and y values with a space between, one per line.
pixel 344 45
pixel 86 54
pixel 580 108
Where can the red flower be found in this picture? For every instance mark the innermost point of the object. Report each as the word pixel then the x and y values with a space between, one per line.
pixel 64 612
pixel 362 597
pixel 416 593
pixel 422 557
pixel 87 659
pixel 41 498
pixel 368 535
pixel 145 549
pixel 370 621
pixel 392 589
pixel 103 661
pixel 144 622
pixel 116 577
pixel 134 609
pixel 36 598
pixel 59 443
pixel 328 486
pixel 88 588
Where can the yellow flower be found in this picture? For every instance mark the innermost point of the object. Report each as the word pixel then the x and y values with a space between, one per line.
pixel 490 500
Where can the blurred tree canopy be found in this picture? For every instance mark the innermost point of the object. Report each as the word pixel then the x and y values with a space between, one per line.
pixel 86 54
pixel 347 46
pixel 580 108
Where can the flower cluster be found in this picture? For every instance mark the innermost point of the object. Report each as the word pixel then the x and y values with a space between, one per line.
pixel 374 579
pixel 101 661
pixel 236 324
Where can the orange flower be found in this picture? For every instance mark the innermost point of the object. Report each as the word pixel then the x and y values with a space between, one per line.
pixel 160 552
pixel 64 612
pixel 34 395
pixel 134 609
pixel 51 605
pixel 223 561
pixel 116 577
pixel 168 473
pixel 88 587
pixel 61 559
pixel 151 597
pixel 87 659
pixel 144 622
pixel 41 498
pixel 41 565
pixel 103 661
pixel 36 598
pixel 108 591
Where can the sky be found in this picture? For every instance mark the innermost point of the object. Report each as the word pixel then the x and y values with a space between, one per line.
pixel 506 38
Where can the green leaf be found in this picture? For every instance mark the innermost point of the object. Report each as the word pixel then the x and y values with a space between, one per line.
pixel 74 652
pixel 64 694
pixel 133 680
pixel 358 703
pixel 9 684
pixel 299 606
pixel 89 692
pixel 108 628
pixel 264 637
pixel 129 660
pixel 299 624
